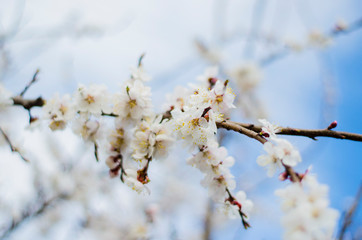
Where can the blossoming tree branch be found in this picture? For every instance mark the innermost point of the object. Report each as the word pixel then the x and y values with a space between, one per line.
pixel 137 136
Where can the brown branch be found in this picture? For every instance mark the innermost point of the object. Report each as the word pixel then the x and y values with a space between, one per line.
pixel 294 177
pixel 229 125
pixel 310 133
pixel 347 220
pixel 96 151
pixel 28 103
pixel 249 130
pixel 12 147
pixel 33 80
pixel 232 200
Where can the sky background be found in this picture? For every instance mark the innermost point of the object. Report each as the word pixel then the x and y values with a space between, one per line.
pixel 74 42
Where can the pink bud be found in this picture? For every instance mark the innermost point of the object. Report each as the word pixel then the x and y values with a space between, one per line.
pixel 332 125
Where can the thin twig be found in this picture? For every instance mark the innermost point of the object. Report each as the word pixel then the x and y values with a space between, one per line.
pixel 140 59
pixel 335 32
pixel 208 221
pixel 109 114
pixel 310 133
pixel 30 214
pixel 347 220
pixel 33 80
pixel 96 151
pixel 12 147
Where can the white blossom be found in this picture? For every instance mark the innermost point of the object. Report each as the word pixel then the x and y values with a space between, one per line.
pixel 306 211
pixel 152 139
pixel 59 110
pixel 211 155
pixel 222 98
pixel 279 152
pixel 271 160
pixel 217 180
pixel 87 128
pixel 269 128
pixel 134 101
pixel 131 179
pixel 93 99
pixel 193 128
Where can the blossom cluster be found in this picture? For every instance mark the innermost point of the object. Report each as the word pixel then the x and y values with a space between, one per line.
pixel 194 116
pixel 304 202
pixel 307 215
pixel 137 136
pixel 280 152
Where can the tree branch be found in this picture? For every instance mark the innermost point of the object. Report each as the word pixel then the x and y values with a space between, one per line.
pixel 347 220
pixel 28 103
pixel 310 133
pixel 229 125
pixel 33 80
pixel 12 147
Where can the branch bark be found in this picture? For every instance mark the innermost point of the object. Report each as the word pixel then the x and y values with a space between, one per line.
pixel 310 133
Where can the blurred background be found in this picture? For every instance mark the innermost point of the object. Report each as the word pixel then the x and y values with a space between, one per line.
pixel 296 63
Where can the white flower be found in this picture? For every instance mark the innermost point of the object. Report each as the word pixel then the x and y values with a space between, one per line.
pixel 271 160
pixel 134 101
pixel 151 139
pixel 217 180
pixel 5 98
pixel 59 111
pixel 307 215
pixel 211 155
pixel 200 99
pixel 247 76
pixel 278 153
pixel 269 128
pixel 87 128
pixel 222 97
pixel 131 179
pixel 289 155
pixel 93 99
pixel 193 128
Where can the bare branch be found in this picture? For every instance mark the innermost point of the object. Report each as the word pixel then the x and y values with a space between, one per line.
pixel 347 220
pixel 28 103
pixel 229 125
pixel 311 133
pixel 12 147
pixel 33 80
pixel 96 151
